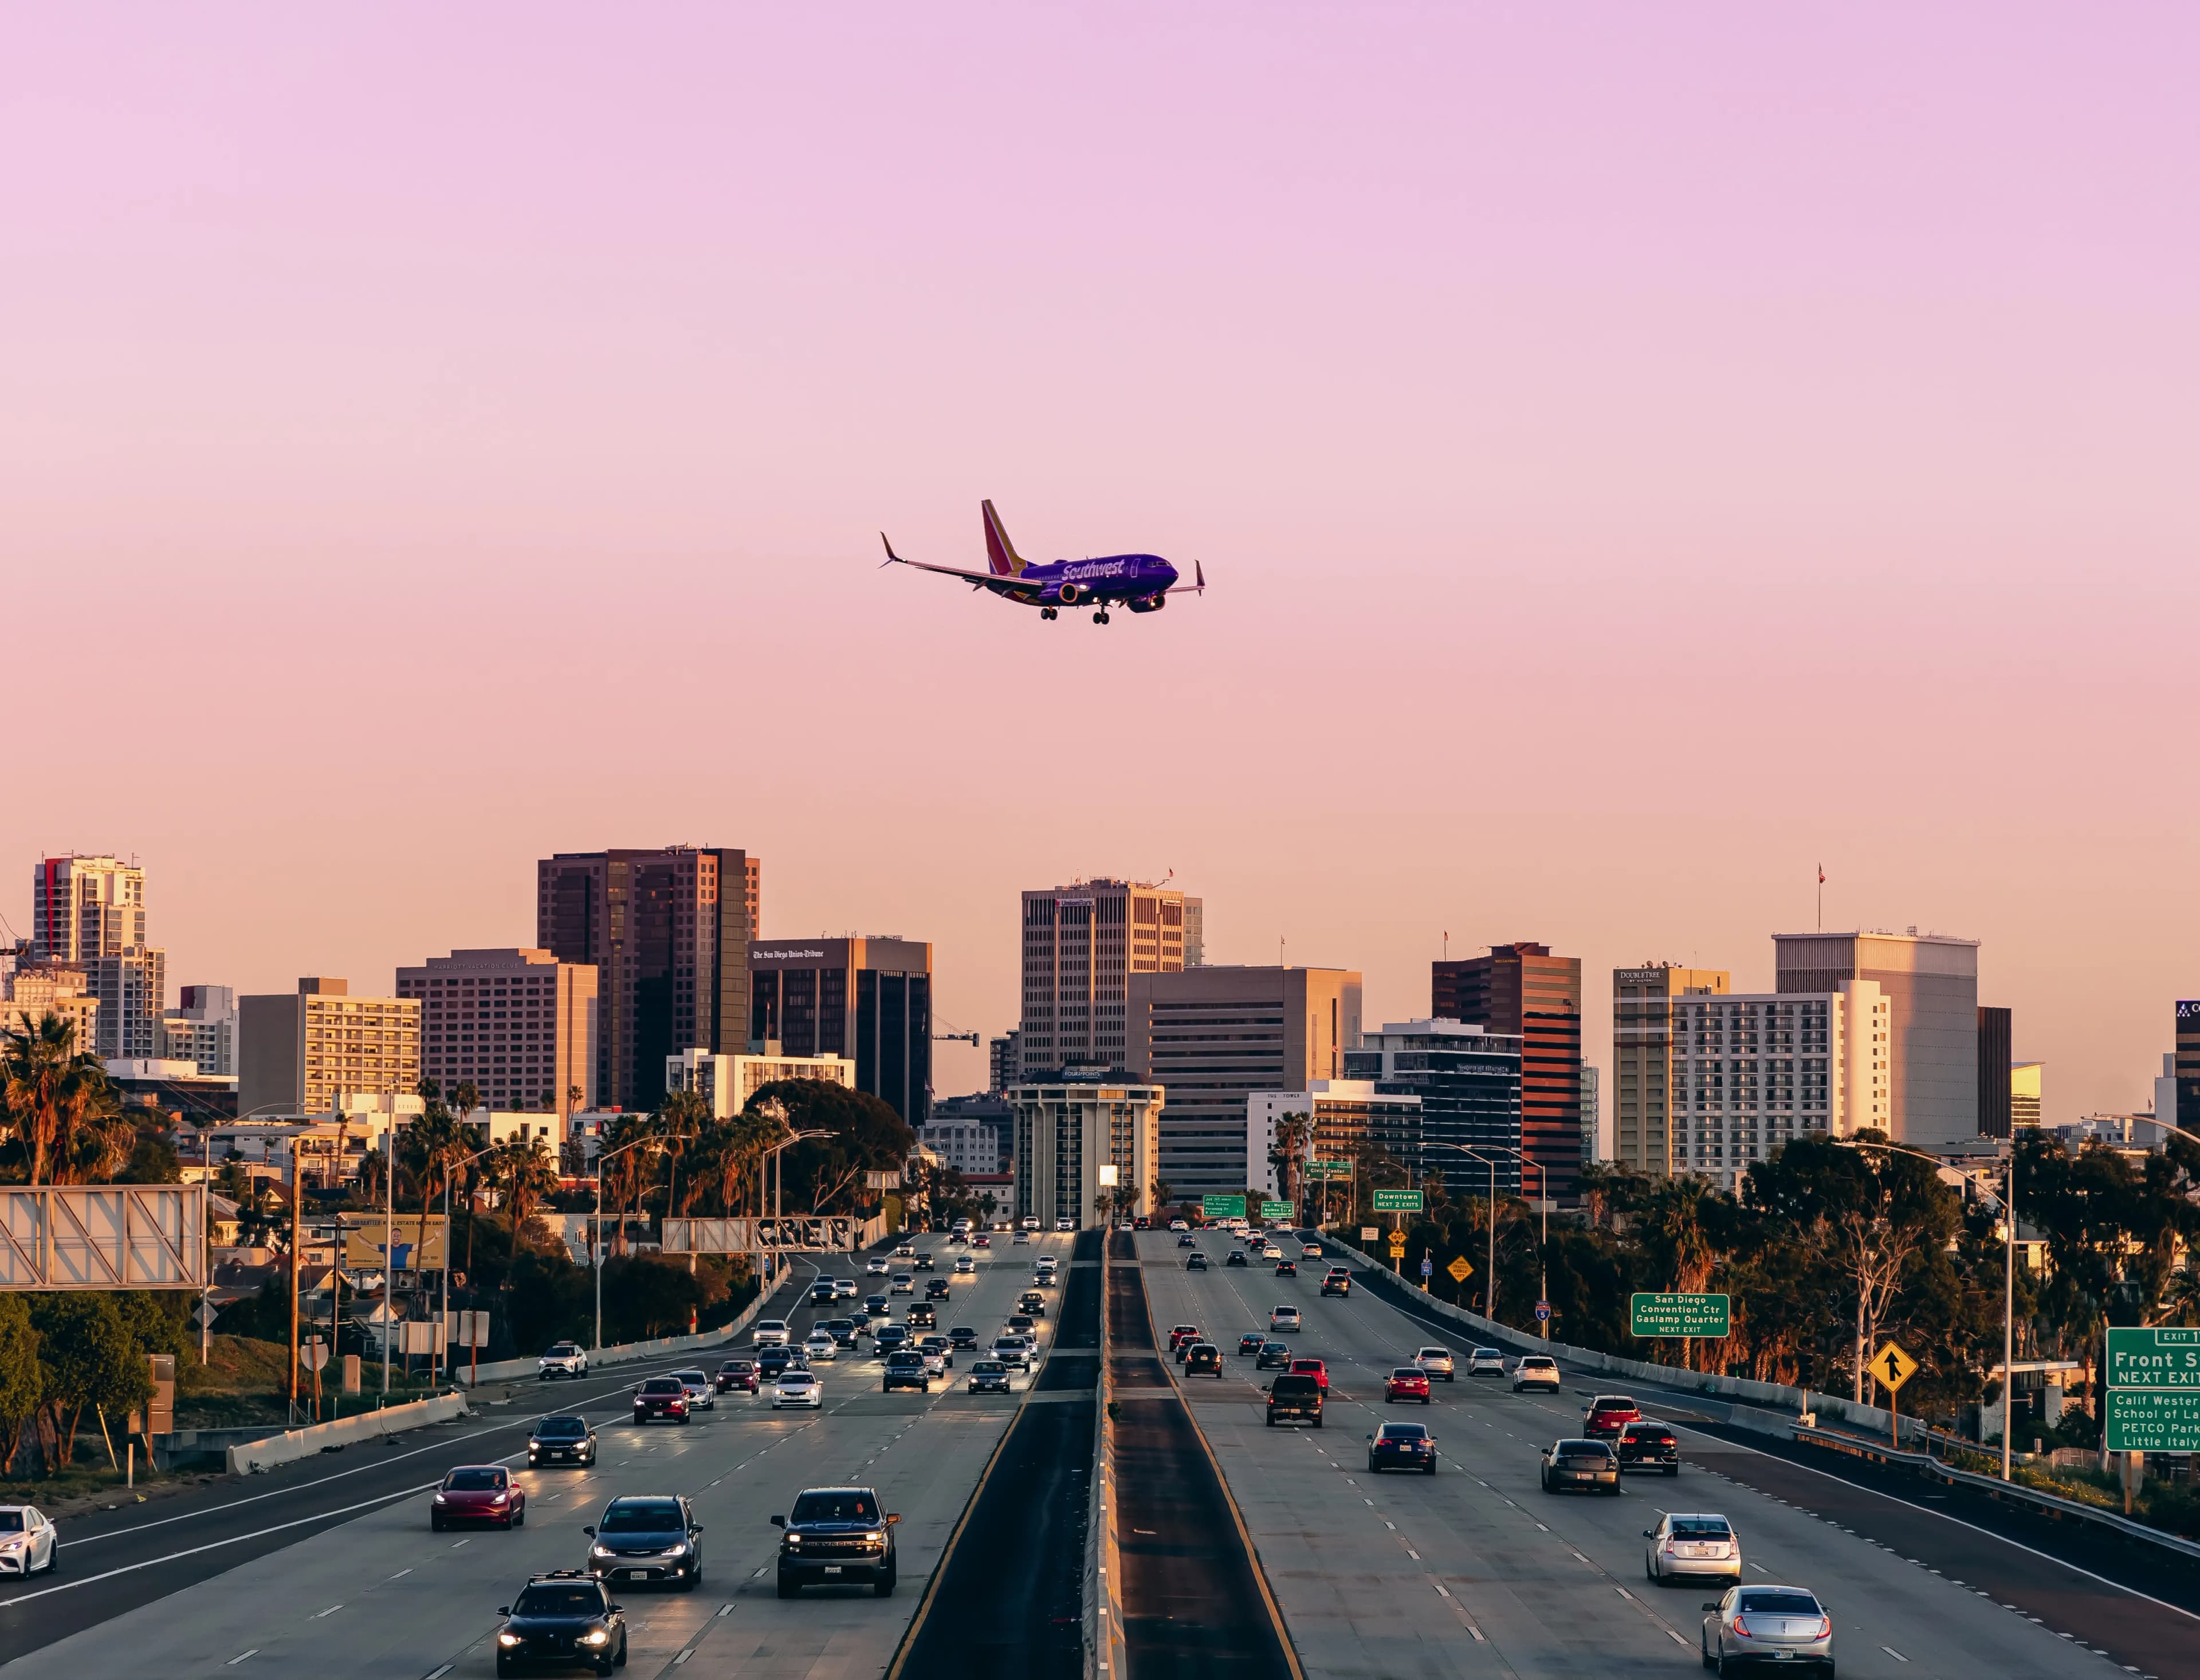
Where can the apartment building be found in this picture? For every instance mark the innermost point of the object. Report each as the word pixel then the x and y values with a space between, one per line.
pixel 56 989
pixel 515 1023
pixel 1078 1133
pixel 300 1053
pixel 202 1028
pixel 84 906
pixel 1081 945
pixel 726 1082
pixel 1642 1028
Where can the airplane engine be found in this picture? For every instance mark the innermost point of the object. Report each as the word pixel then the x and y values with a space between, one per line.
pixel 1070 594
pixel 1148 604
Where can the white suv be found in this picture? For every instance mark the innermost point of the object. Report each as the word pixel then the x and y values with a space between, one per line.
pixel 769 1332
pixel 564 1359
pixel 1536 1370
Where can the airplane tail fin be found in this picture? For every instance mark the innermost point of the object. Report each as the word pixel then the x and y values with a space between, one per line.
pixel 1001 554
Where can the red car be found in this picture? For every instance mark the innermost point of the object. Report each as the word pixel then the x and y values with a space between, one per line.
pixel 1312 1367
pixel 1609 1413
pixel 981 1242
pixel 1181 1334
pixel 478 1493
pixel 1407 1382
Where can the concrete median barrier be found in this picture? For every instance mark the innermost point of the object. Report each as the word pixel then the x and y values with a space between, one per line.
pixel 293 1445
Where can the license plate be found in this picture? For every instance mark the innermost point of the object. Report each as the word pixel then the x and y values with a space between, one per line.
pixel 636 1574
pixel 832 1569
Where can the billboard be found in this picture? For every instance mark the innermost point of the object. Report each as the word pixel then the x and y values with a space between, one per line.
pixel 830 1232
pixel 363 1244
pixel 103 1236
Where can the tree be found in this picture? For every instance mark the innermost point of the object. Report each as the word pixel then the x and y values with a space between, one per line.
pixel 865 1135
pixel 90 1359
pixel 527 1174
pixel 1294 1138
pixel 680 1120
pixel 35 1060
pixel 1160 1193
pixel 21 1380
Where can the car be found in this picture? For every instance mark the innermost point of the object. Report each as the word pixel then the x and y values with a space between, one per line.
pixel 1187 1240
pixel 661 1398
pixel 1294 1398
pixel 1179 1225
pixel 964 1266
pixel 922 1315
pixel 1273 1356
pixel 1649 1444
pixel 905 1251
pixel 1235 1258
pixel 938 1289
pixel 1049 1263
pixel 702 1392
pixel 904 1284
pixel 1693 1544
pixel 564 1359
pixel 482 1493
pixel 1032 1302
pixel 981 1242
pixel 819 1345
pixel 1181 1333
pixel 905 1369
pixel 962 1337
pixel 1401 1446
pixel 29 1543
pixel 939 1346
pixel 798 1387
pixel 1536 1370
pixel 1065 1224
pixel 1021 1324
pixel 648 1537
pixel 1604 1416
pixel 1013 1351
pixel 774 1361
pixel 837 1536
pixel 877 1265
pixel 1579 1463
pixel 1437 1362
pixel 820 1292
pixel 843 1289
pixel 876 1305
pixel 934 1358
pixel 1310 1251
pixel 561 1620
pixel 1046 1277
pixel 1194 1262
pixel 1779 1627
pixel 1030 1221
pixel 1284 1318
pixel 989 1376
pixel 923 1262
pixel 891 1338
pixel 1336 1281
pixel 843 1331
pixel 1485 1363
pixel 559 1439
pixel 1407 1382
pixel 1203 1359
pixel 1307 1366
pixel 1250 1342
pixel 739 1373
pixel 1021 1237
pixel 1287 1269
pixel 769 1332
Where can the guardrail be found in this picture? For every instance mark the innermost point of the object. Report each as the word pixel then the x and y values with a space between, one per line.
pixel 292 1445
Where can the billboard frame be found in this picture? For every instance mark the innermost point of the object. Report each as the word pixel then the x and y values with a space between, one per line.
pixel 65 1237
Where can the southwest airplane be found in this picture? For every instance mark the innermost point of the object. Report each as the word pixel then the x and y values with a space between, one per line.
pixel 1142 582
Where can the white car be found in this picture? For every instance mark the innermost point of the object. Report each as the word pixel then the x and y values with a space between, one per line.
pixel 1284 1318
pixel 843 1289
pixel 769 1333
pixel 905 1251
pixel 564 1359
pixel 798 1388
pixel 1536 1370
pixel 1023 1236
pixel 702 1392
pixel 877 1265
pixel 1179 1225
pixel 1048 1263
pixel 1065 1224
pixel 821 1345
pixel 1437 1362
pixel 904 1284
pixel 1031 1222
pixel 28 1542
pixel 1485 1363
pixel 964 1266
pixel 1310 1252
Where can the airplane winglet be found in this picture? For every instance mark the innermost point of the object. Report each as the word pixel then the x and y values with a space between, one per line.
pixel 1197 571
pixel 892 557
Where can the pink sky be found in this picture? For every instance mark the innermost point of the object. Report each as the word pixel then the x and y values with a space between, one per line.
pixel 1635 457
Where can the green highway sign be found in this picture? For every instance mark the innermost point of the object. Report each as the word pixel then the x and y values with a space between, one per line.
pixel 2153 1389
pixel 1223 1207
pixel 1329 1170
pixel 1678 1315
pixel 1397 1201
pixel 1275 1210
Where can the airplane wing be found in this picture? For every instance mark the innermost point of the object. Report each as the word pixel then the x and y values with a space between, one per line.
pixel 1014 586
pixel 1198 572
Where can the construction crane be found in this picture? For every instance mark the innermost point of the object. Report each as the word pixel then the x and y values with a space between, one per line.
pixel 968 1038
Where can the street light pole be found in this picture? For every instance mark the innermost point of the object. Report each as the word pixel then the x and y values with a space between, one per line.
pixel 602 1156
pixel 1489 1287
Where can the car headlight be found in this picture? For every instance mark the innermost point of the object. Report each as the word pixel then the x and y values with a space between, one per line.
pixel 440 1500
pixel 678 1548
pixel 595 1636
pixel 793 1539
pixel 875 1538
pixel 507 1639
pixel 601 1552
pixel 11 1545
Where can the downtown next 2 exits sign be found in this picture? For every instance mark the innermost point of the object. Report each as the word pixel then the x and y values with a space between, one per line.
pixel 2154 1390
pixel 1678 1315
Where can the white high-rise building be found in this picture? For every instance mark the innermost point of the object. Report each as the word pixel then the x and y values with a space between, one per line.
pixel 202 1028
pixel 89 912
pixel 1080 944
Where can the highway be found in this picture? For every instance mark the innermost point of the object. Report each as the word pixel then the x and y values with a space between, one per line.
pixel 356 1584
pixel 1475 1570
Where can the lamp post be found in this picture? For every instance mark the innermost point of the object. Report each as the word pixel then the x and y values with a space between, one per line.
pixel 1489 1161
pixel 779 1179
pixel 602 1155
pixel 442 1342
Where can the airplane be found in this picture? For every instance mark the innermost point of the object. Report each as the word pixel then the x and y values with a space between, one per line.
pixel 1142 582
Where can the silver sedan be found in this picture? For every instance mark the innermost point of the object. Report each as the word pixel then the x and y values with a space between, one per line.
pixel 1698 1544
pixel 1762 1626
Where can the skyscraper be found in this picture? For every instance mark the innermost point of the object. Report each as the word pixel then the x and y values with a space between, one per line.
pixel 1521 989
pixel 1080 944
pixel 1005 1062
pixel 1592 1112
pixel 667 929
pixel 518 1024
pixel 89 912
pixel 1195 932
pixel 1468 1080
pixel 1995 1110
pixel 1645 1087
pixel 869 1000
pixel 1931 984
pixel 1214 1036
pixel 2027 1089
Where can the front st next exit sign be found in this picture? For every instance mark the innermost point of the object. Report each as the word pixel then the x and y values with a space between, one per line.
pixel 2154 1390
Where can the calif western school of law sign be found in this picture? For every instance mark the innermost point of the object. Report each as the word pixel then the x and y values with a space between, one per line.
pixel 2153 1389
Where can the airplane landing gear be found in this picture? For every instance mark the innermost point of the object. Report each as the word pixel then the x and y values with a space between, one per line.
pixel 1100 618
pixel 1046 612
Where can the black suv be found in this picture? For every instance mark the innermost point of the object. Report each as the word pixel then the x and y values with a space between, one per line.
pixel 652 1538
pixel 561 1440
pixel 905 1370
pixel 1235 1258
pixel 773 1362
pixel 661 1398
pixel 922 1315
pixel 890 1336
pixel 837 1536
pixel 1293 1398
pixel 841 1330
pixel 921 1264
pixel 1649 1445
pixel 938 1289
pixel 564 1619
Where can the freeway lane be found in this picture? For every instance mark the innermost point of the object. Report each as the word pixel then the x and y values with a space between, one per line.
pixel 377 1593
pixel 1475 1569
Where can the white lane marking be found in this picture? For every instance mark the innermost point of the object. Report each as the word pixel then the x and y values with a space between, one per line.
pixel 456 1544
pixel 1896 1654
pixel 1677 1639
pixel 1414 1555
pixel 330 1611
pixel 725 1609
pixel 683 1656
pixel 240 1656
pixel 400 1574
pixel 438 1673
pixel 1623 1592
pixel 1442 1588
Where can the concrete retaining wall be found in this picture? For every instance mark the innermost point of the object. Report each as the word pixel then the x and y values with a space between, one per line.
pixel 506 1369
pixel 296 1444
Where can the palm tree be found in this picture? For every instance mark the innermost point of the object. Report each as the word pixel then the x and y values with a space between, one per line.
pixel 622 1169
pixel 1294 1138
pixel 37 1060
pixel 680 1120
pixel 435 1141
pixel 529 1175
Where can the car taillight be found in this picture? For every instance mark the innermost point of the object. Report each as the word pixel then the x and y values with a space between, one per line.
pixel 1825 1627
pixel 1740 1631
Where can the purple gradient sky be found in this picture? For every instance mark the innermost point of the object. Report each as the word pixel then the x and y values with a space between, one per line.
pixel 1635 458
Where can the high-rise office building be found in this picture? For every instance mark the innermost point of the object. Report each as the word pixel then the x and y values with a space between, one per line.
pixel 1081 943
pixel 1195 932
pixel 2187 1055
pixel 83 908
pixel 1642 1027
pixel 2025 1090
pixel 867 999
pixel 516 1024
pixel 1347 1115
pixel 202 1028
pixel 1069 1127
pixel 1931 984
pixel 299 1052
pixel 56 989
pixel 1213 1036
pixel 1521 989
pixel 667 929
pixel 1593 1144
pixel 1004 1061
pixel 1753 1072
pixel 1996 1098
pixel 1468 1082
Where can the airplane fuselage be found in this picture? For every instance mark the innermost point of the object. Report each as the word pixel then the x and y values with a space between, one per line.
pixel 1141 581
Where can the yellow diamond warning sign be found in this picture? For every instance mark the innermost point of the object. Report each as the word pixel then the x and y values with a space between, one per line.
pixel 1460 1270
pixel 1892 1367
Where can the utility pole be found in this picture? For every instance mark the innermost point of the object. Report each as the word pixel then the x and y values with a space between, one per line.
pixel 297 1236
